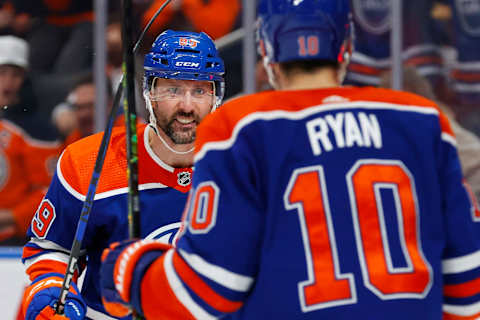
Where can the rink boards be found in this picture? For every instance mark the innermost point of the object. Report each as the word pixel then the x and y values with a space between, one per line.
pixel 12 281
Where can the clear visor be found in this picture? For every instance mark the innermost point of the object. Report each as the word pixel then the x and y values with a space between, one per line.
pixel 166 89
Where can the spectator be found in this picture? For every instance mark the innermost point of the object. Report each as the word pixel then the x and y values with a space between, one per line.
pixel 26 164
pixel 114 53
pixel 75 117
pixel 11 22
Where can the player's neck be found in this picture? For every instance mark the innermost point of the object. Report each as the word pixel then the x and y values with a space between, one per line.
pixel 323 78
pixel 181 157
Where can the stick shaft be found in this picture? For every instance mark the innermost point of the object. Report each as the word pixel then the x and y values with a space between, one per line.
pixel 130 121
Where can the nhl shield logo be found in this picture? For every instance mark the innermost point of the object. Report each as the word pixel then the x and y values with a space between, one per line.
pixel 468 13
pixel 184 178
pixel 373 15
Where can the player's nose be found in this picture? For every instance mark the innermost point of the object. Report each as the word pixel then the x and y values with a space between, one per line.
pixel 186 104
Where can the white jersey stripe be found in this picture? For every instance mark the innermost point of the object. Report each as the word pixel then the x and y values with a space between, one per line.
pixel 97 315
pixel 224 277
pixel 59 257
pixel 181 292
pixel 50 245
pixel 297 115
pixel 102 195
pixel 463 310
pixel 449 138
pixel 461 264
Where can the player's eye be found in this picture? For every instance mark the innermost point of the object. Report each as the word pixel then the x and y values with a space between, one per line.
pixel 199 92
pixel 173 90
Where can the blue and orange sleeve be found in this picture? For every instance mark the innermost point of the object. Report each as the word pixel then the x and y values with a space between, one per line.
pixel 461 260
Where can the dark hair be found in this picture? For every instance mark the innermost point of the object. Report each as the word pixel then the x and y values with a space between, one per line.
pixel 86 79
pixel 306 66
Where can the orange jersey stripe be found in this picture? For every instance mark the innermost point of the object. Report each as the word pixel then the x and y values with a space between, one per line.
pixel 154 287
pixel 201 289
pixel 449 316
pixel 48 266
pixel 360 68
pixel 219 125
pixel 30 252
pixel 462 290
pixel 417 61
pixel 462 76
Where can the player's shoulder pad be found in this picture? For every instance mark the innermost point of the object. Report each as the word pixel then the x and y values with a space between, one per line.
pixel 77 162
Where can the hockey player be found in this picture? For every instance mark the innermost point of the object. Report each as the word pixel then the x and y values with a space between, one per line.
pixel 183 82
pixel 314 201
pixel 420 45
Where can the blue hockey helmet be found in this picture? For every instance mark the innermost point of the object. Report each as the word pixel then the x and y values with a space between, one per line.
pixel 292 30
pixel 183 55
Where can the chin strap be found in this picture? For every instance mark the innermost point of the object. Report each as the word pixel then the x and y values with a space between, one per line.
pixel 153 124
pixel 166 144
pixel 270 74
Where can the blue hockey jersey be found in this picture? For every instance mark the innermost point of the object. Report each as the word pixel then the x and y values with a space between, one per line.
pixel 338 203
pixel 163 193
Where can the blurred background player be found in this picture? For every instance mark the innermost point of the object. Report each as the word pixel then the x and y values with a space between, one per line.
pixel 468 144
pixel 183 82
pixel 314 201
pixel 27 160
pixel 420 45
pixel 465 73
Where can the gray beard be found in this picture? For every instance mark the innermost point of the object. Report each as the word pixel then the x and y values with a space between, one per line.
pixel 178 137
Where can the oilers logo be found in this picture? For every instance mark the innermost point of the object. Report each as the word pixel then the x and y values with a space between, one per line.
pixel 166 234
pixel 184 178
pixel 4 169
pixel 188 42
pixel 373 15
pixel 468 14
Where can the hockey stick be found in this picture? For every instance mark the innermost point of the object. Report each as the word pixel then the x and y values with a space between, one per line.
pixel 129 109
pixel 130 121
pixel 87 204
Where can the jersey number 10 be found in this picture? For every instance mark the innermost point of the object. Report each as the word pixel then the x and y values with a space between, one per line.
pixel 326 286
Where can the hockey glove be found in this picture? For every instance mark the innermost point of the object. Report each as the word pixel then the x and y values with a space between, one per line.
pixel 42 295
pixel 123 266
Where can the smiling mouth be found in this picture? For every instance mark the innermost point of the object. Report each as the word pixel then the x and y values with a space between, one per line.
pixel 185 121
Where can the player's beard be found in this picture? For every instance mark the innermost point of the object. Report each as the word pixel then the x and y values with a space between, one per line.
pixel 178 135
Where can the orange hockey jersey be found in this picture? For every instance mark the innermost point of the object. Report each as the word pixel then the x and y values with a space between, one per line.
pixel 26 167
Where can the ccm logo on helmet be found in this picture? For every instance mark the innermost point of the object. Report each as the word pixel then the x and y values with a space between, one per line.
pixel 187 64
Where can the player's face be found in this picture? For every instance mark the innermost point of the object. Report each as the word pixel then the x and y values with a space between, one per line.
pixel 84 103
pixel 180 105
pixel 11 80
